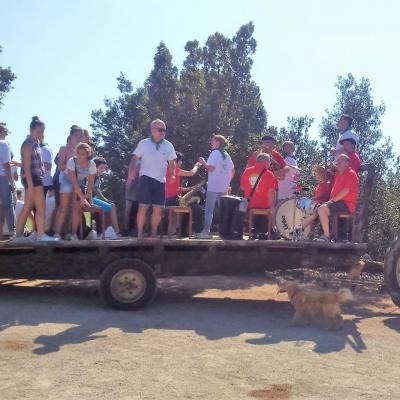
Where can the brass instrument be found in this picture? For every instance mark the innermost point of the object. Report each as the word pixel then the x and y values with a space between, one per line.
pixel 190 198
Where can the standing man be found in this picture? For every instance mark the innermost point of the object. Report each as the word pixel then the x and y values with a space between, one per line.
pixel 7 183
pixel 155 154
pixel 346 132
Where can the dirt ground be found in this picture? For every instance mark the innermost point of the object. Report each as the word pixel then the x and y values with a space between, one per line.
pixel 214 338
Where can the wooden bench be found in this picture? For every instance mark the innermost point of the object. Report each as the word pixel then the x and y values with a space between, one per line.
pixel 177 212
pixel 253 212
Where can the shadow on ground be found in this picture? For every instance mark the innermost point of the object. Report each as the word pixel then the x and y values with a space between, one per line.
pixel 174 309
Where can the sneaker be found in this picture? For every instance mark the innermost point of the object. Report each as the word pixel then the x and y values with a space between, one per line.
pixel 57 236
pixel 33 236
pixel 110 233
pixel 92 235
pixel 46 238
pixel 73 237
pixel 322 238
pixel 19 239
pixel 203 235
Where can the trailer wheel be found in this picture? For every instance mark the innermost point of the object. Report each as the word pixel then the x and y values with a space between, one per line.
pixel 392 272
pixel 128 284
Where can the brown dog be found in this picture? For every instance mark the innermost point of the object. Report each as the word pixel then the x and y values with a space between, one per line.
pixel 312 303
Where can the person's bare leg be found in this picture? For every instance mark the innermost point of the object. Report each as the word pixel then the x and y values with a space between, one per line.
pixel 114 219
pixel 40 205
pixel 76 216
pixel 155 220
pixel 63 209
pixel 23 216
pixel 323 213
pixel 309 220
pixel 141 219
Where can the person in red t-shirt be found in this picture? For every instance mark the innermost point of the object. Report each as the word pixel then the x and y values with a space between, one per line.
pixel 322 193
pixel 173 187
pixel 264 195
pixel 278 163
pixel 349 148
pixel 343 196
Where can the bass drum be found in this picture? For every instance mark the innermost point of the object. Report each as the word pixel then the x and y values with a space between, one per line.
pixel 289 215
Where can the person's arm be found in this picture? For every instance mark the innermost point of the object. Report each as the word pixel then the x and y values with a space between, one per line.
pixel 340 196
pixel 14 163
pixel 26 160
pixel 172 170
pixel 133 169
pixel 190 173
pixel 62 158
pixel 208 167
pixel 90 186
pixel 233 173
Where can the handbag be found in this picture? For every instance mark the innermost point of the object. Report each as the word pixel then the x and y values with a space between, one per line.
pixel 244 203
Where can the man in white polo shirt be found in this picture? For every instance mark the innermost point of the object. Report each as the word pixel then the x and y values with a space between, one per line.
pixel 346 132
pixel 155 154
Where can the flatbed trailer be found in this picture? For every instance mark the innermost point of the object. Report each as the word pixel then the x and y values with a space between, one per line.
pixel 128 269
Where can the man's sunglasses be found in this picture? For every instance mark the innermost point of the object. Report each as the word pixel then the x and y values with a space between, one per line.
pixel 161 130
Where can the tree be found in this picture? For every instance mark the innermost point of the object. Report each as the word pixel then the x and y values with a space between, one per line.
pixel 355 98
pixel 6 79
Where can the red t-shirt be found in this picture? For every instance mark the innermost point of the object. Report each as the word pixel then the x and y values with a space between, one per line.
pixel 355 161
pixel 275 154
pixel 347 180
pixel 323 192
pixel 260 197
pixel 172 189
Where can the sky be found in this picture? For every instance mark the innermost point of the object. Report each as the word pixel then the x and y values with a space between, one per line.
pixel 68 54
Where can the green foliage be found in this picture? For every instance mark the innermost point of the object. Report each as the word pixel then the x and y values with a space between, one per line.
pixel 6 79
pixel 215 92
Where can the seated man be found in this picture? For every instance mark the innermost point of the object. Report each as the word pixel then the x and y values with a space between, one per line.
pixel 264 195
pixel 343 196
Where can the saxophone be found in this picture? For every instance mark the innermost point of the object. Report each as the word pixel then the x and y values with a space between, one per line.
pixel 189 198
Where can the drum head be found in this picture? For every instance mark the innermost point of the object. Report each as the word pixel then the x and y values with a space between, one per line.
pixel 288 216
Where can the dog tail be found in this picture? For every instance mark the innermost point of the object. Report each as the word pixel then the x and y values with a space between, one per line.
pixel 344 295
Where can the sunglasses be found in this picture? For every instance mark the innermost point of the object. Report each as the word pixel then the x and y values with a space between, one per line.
pixel 161 130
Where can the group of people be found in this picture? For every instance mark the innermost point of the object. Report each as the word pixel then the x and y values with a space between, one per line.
pixel 154 181
pixel 52 205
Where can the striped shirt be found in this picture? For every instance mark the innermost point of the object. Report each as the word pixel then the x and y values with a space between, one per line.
pixel 37 166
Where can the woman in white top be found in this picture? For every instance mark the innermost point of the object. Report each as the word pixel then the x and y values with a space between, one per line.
pixel 220 173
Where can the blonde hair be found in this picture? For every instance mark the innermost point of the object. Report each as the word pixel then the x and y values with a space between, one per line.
pixel 222 140
pixel 156 121
pixel 84 147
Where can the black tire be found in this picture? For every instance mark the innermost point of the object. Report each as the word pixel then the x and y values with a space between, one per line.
pixel 128 284
pixel 392 272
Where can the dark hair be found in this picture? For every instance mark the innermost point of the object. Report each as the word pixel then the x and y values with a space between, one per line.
pixel 268 137
pixel 3 127
pixel 348 119
pixel 99 161
pixel 179 156
pixel 36 122
pixel 351 140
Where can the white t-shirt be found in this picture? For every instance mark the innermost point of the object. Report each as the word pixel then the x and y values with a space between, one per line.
pixel 47 157
pixel 154 161
pixel 5 156
pixel 287 185
pixel 219 179
pixel 349 134
pixel 82 173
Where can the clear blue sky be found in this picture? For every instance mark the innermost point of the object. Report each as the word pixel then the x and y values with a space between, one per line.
pixel 67 54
